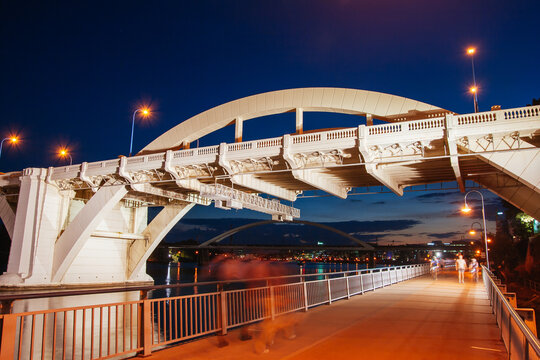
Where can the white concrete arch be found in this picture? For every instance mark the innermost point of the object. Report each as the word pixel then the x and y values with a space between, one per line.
pixel 339 100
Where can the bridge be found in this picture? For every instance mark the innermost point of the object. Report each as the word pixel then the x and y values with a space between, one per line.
pixel 362 245
pixel 87 223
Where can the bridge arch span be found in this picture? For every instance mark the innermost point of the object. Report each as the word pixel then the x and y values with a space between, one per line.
pixel 339 100
pixel 60 230
pixel 363 245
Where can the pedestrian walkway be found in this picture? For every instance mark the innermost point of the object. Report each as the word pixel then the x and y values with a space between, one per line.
pixel 420 318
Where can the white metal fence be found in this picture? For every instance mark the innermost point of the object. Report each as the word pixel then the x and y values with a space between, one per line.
pixel 520 342
pixel 126 328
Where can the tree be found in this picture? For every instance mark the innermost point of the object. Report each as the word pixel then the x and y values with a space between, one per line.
pixel 534 102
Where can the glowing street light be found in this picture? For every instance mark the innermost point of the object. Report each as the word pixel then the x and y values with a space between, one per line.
pixel 470 52
pixel 64 153
pixel 474 92
pixel 467 209
pixel 472 231
pixel 12 139
pixel 145 112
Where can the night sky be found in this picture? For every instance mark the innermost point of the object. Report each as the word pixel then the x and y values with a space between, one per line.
pixel 72 74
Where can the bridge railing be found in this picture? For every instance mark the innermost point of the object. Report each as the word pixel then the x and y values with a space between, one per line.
pixel 519 340
pixel 429 128
pixel 125 328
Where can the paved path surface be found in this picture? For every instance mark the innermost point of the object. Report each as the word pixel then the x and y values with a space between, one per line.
pixel 416 319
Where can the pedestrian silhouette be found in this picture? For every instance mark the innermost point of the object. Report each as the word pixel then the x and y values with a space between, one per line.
pixel 461 265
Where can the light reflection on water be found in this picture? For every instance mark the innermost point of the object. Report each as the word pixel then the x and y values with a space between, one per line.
pixel 181 273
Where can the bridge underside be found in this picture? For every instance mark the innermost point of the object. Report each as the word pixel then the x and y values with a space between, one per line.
pixel 87 223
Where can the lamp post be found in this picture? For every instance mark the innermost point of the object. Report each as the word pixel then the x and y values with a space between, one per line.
pixel 145 112
pixel 12 139
pixel 65 153
pixel 471 51
pixel 474 91
pixel 467 209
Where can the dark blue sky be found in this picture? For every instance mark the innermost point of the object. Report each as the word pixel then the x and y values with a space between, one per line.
pixel 73 72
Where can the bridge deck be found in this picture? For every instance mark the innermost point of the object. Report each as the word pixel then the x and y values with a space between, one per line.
pixel 417 319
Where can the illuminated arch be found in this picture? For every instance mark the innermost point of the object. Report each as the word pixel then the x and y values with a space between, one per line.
pixel 338 100
pixel 363 245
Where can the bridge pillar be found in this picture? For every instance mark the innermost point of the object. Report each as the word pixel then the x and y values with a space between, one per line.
pixel 369 119
pixel 61 240
pixel 299 120
pixel 7 215
pixel 30 252
pixel 239 129
pixel 140 250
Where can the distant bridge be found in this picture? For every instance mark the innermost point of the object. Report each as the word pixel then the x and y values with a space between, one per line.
pixel 87 223
pixel 362 244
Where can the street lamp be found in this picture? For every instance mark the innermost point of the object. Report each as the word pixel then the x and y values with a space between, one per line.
pixel 472 231
pixel 471 51
pixel 64 152
pixel 474 91
pixel 145 112
pixel 12 139
pixel 466 209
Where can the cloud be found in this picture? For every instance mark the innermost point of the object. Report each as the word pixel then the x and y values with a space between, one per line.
pixel 360 227
pixel 444 235
pixel 438 197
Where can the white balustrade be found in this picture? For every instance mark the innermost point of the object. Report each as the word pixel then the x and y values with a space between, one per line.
pixel 429 128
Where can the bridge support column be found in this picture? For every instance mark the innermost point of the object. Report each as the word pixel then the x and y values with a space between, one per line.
pixel 299 120
pixel 312 177
pixel 31 250
pixel 239 129
pixel 140 250
pixel 62 241
pixel 371 168
pixel 369 119
pixel 7 215
pixel 453 150
pixel 72 240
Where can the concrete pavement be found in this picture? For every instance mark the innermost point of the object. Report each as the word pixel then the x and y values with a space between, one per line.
pixel 416 319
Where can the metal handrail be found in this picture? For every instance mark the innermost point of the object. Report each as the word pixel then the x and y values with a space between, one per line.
pixel 530 338
pixel 125 328
pixel 147 288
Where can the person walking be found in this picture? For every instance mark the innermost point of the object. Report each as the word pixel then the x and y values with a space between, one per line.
pixel 461 265
pixel 434 267
pixel 474 269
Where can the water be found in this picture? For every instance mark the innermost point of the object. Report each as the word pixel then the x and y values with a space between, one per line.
pixel 181 273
